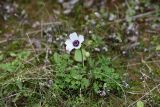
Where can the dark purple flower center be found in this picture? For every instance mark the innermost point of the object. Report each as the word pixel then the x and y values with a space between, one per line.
pixel 75 43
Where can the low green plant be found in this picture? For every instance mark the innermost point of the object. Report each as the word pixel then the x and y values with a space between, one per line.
pixel 97 75
pixel 16 63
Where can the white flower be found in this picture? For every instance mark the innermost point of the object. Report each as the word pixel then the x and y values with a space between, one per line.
pixel 74 41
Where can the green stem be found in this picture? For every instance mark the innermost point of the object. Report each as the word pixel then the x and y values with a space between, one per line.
pixel 82 58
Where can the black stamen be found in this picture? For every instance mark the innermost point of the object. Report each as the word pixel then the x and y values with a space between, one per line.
pixel 76 43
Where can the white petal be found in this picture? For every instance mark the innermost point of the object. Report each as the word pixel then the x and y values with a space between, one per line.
pixel 73 36
pixel 69 45
pixel 81 38
pixel 68 41
pixel 69 48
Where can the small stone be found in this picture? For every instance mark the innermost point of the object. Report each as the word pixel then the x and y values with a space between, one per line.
pixel 49 29
pixel 74 2
pixel 93 22
pixel 49 39
pixel 137 7
pixel 57 39
pixel 145 50
pixel 67 11
pixel 36 24
pixel 125 84
pixel 88 3
pixel 97 49
pixel 102 93
pixel 60 1
pixel 112 17
pixel 105 49
pixel 124 52
pixel 57 12
pixel 86 17
pixel 131 27
pixel 23 12
pixel 133 38
pixel 90 32
pixel 97 15
pixel 50 51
